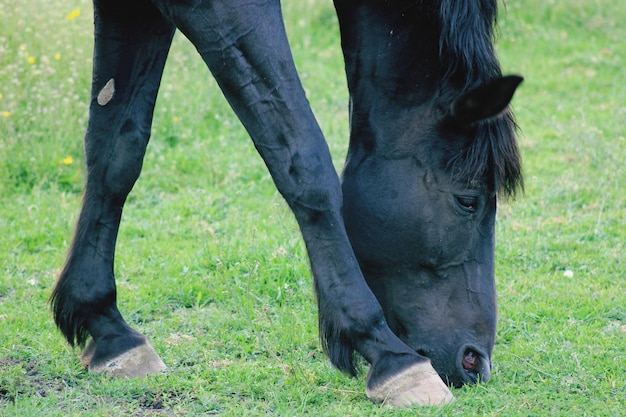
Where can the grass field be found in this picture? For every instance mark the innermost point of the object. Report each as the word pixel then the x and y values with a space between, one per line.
pixel 210 263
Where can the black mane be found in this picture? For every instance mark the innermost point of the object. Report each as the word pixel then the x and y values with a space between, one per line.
pixel 469 59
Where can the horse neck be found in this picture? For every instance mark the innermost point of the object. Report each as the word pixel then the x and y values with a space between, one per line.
pixel 393 69
pixel 406 56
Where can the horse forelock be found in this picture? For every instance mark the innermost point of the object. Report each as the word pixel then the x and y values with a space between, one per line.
pixel 466 42
pixel 468 59
pixel 492 156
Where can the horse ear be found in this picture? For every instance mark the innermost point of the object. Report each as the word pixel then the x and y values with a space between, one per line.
pixel 485 101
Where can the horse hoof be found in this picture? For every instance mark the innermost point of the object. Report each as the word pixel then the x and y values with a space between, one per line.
pixel 135 363
pixel 418 385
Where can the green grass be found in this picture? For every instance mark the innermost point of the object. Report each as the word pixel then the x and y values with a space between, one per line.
pixel 210 264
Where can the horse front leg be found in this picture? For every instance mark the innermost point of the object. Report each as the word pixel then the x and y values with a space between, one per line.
pixel 245 46
pixel 131 46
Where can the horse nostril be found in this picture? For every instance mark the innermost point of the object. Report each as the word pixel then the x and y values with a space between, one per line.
pixel 475 364
pixel 471 360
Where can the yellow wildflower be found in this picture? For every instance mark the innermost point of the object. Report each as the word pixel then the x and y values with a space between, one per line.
pixel 6 113
pixel 57 56
pixel 176 118
pixel 0 96
pixel 67 160
pixel 73 14
pixel 31 60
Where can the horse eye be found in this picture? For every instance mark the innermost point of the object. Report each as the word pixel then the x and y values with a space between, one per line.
pixel 467 203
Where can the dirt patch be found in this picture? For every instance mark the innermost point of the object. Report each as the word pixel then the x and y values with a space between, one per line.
pixel 22 377
pixel 151 402
pixel 26 378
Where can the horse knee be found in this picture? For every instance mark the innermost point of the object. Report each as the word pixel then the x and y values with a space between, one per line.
pixel 309 184
pixel 117 166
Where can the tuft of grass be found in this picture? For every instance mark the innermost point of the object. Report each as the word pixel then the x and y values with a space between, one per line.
pixel 210 264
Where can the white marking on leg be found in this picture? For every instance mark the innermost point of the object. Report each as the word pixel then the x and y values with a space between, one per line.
pixel 106 94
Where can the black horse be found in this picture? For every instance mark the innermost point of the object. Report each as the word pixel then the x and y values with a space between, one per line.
pixel 403 256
